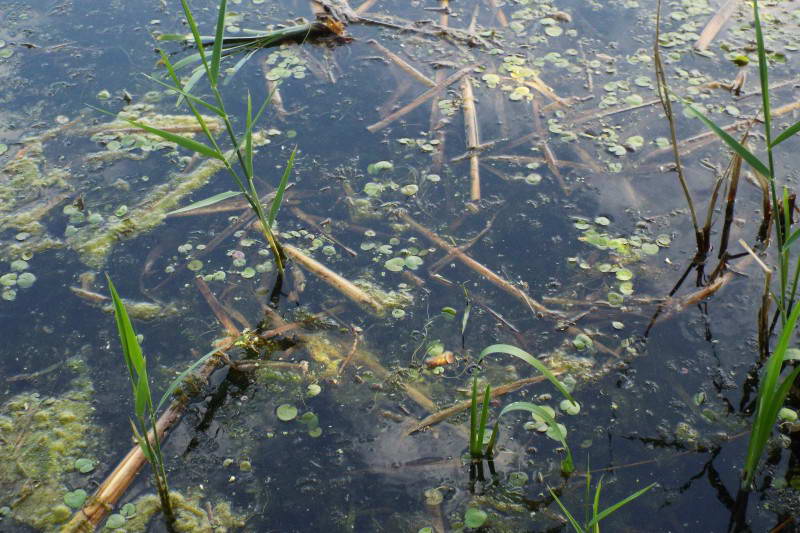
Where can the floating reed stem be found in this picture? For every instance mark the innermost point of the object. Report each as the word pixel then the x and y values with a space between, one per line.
pixel 404 65
pixel 715 24
pixel 421 99
pixel 473 140
pixel 478 267
pixel 333 279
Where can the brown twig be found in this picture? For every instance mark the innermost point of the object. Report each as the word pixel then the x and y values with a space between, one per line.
pixel 444 414
pixel 402 63
pixel 421 99
pixel 473 140
pixel 715 24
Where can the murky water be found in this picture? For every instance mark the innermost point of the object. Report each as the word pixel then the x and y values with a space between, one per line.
pixel 578 209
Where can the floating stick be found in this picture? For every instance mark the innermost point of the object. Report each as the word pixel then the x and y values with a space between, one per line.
pixel 473 141
pixel 333 279
pixel 715 24
pixel 421 99
pixel 402 63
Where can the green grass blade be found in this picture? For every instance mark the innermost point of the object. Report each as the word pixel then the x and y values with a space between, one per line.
pixel 596 505
pixel 211 200
pixel 484 417
pixel 793 237
pixel 198 41
pixel 197 75
pixel 574 523
pixel 567 465
pixel 248 139
pixel 188 60
pixel 239 64
pixel 141 396
pixel 180 377
pixel 473 420
pixel 276 202
pixel 216 51
pixel 607 511
pixel 767 391
pixel 185 94
pixel 180 140
pixel 493 439
pixel 763 74
pixel 788 132
pixel 528 358
pixel 131 350
pixel 732 143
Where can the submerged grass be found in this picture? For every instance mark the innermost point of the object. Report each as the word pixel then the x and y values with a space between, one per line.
pixel 772 390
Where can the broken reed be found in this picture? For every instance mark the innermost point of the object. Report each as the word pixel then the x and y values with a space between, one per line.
pixel 772 390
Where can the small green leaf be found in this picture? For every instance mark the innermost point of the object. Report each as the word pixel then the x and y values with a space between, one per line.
pixel 474 517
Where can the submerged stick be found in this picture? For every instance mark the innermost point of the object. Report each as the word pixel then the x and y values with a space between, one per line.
pixel 217 308
pixel 402 63
pixel 444 414
pixel 333 279
pixel 715 25
pixel 473 141
pixel 498 13
pixel 421 99
pixel 478 267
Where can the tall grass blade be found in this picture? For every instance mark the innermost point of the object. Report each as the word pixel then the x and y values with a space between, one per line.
pixel 574 523
pixel 788 132
pixel 180 377
pixel 239 64
pixel 493 439
pixel 484 418
pixel 183 92
pixel 196 76
pixel 216 51
pixel 528 358
pixel 734 145
pixel 248 138
pixel 198 41
pixel 596 505
pixel 608 510
pixel 131 351
pixel 763 74
pixel 276 202
pixel 473 420
pixel 211 200
pixel 770 397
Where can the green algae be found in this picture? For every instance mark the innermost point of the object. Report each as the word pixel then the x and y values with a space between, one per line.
pixel 145 310
pixel 191 516
pixel 94 245
pixel 43 437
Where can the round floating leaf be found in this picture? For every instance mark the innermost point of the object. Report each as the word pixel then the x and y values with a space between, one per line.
pixel 571 408
pixel 649 248
pixel 395 264
pixel 115 521
pixel 195 265
pixel 410 189
pixel 626 288
pixel 76 498
pixel 474 518
pixel 398 313
pixel 663 240
pixel 623 274
pixel 248 273
pixel 602 221
pixel 617 325
pixel 315 432
pixel 128 510
pixel 84 466
pixel 286 412
pixel 313 390
pixel 787 414
pixel 413 262
pixel 582 341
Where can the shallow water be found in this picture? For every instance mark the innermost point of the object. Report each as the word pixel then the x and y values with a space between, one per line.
pixel 665 403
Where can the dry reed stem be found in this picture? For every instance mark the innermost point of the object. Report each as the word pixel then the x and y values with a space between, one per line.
pixel 402 63
pixel 305 217
pixel 421 99
pixel 549 157
pixel 444 414
pixel 478 267
pixel 715 24
pixel 498 13
pixel 602 113
pixel 364 7
pixel 473 140
pixel 216 307
pixel 333 279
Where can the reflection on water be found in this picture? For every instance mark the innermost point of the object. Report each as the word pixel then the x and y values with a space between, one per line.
pixel 540 211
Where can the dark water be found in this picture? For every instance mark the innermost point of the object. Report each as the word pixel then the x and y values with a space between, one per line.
pixel 670 406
